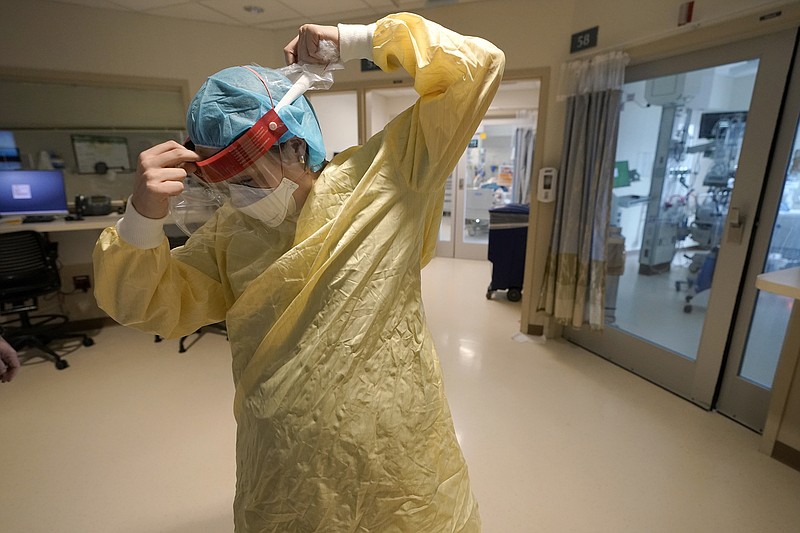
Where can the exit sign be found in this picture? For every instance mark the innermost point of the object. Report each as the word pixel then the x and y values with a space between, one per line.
pixel 583 40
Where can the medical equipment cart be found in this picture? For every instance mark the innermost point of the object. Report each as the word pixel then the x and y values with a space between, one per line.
pixel 508 235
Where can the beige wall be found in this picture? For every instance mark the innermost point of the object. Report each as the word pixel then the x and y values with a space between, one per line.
pixel 46 35
pixel 534 34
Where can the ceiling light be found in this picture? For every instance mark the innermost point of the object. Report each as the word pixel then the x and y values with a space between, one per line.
pixel 255 10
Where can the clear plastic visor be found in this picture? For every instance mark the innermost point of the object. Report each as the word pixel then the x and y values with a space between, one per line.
pixel 269 173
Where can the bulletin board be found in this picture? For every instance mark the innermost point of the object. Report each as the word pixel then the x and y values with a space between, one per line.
pixel 83 172
pixel 79 151
pixel 96 154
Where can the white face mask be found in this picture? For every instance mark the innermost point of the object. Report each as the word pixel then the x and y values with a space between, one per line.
pixel 270 206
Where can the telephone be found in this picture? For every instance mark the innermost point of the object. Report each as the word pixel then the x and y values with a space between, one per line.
pixel 92 205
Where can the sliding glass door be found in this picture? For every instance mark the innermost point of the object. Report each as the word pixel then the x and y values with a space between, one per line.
pixel 762 319
pixel 694 146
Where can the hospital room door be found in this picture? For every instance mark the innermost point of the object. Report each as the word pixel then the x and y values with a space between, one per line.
pixel 693 171
pixel 494 170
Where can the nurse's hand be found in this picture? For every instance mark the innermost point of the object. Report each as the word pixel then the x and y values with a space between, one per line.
pixel 159 175
pixel 305 47
pixel 9 362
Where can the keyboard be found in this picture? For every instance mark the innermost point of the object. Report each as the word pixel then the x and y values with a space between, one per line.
pixel 32 219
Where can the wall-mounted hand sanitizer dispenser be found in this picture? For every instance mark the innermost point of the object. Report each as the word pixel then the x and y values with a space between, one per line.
pixel 546 191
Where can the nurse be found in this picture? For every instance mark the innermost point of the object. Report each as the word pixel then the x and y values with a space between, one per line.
pixel 342 421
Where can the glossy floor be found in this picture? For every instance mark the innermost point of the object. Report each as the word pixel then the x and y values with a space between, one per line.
pixel 136 438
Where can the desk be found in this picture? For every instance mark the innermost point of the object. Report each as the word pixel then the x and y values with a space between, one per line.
pixel 75 240
pixel 8 225
pixel 781 437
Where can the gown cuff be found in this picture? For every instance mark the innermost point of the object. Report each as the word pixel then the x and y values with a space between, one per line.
pixel 355 41
pixel 140 231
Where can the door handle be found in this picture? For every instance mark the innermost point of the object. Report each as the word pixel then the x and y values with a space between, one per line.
pixel 735 226
pixel 460 184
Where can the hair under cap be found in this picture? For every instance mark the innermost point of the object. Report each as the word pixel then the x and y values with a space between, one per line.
pixel 233 99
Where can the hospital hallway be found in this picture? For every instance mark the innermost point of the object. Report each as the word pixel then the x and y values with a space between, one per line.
pixel 135 437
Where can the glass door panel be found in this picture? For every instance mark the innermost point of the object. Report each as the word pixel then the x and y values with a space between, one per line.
pixel 680 139
pixel 445 246
pixel 761 324
pixel 496 171
pixel 772 311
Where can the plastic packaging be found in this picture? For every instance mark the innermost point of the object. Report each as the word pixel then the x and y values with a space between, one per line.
pixel 195 205
pixel 308 77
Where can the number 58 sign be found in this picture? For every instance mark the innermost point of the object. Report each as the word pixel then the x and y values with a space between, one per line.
pixel 583 40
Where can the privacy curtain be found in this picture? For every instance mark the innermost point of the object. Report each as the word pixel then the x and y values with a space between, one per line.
pixel 574 284
pixel 523 161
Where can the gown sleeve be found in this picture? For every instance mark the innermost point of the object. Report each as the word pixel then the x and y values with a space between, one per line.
pixel 150 290
pixel 456 77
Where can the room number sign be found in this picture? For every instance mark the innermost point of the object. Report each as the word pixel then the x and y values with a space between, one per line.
pixel 583 40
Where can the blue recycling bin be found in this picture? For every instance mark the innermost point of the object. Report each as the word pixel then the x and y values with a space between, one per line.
pixel 508 235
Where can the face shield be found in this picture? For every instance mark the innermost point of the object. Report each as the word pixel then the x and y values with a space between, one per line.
pixel 257 128
pixel 259 188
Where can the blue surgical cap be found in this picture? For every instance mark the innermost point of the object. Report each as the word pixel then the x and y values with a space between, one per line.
pixel 232 100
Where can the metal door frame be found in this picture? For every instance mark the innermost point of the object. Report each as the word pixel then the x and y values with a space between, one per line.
pixel 739 398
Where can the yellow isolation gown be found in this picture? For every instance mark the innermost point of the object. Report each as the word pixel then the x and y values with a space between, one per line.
pixel 343 424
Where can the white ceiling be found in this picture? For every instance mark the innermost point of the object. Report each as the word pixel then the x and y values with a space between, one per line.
pixel 265 14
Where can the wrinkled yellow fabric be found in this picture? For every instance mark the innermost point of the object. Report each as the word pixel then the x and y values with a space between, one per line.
pixel 342 419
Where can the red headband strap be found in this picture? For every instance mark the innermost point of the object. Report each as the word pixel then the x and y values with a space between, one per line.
pixel 244 151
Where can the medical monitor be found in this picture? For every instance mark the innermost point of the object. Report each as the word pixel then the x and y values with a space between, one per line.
pixel 32 192
pixel 720 121
pixel 622 174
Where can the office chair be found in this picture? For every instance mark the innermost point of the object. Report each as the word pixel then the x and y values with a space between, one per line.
pixel 28 270
pixel 219 328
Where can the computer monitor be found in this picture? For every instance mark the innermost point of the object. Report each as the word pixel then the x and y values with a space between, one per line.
pixel 32 192
pixel 10 159
pixel 9 153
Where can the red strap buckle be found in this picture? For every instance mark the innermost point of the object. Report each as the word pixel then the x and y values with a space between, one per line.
pixel 244 151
